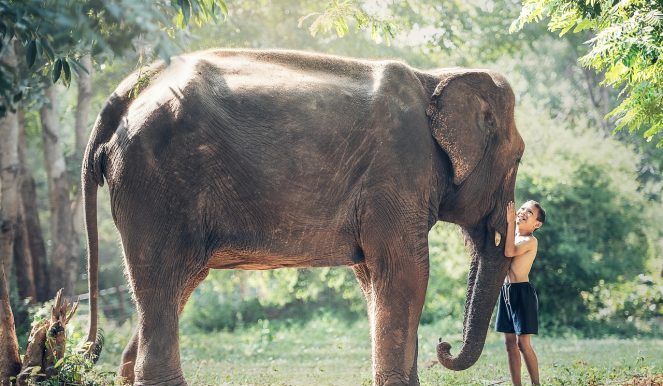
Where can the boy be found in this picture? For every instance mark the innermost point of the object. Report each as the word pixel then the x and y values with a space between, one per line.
pixel 518 307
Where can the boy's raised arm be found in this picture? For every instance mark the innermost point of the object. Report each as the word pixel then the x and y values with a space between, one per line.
pixel 511 249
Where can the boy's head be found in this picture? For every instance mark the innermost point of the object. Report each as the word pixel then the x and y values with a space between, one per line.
pixel 530 216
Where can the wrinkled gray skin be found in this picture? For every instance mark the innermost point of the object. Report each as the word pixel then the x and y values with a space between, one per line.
pixel 266 159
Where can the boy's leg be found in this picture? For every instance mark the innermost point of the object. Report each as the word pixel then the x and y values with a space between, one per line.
pixel 514 357
pixel 532 363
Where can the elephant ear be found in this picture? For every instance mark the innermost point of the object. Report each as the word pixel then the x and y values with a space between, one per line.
pixel 462 120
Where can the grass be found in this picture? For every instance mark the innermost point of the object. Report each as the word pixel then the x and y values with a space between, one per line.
pixel 326 351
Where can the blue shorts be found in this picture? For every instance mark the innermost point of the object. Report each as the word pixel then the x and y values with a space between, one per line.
pixel 518 309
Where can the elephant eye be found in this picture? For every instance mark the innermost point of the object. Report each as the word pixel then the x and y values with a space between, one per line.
pixel 518 160
pixel 489 119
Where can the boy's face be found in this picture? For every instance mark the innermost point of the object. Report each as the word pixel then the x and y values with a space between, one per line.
pixel 526 218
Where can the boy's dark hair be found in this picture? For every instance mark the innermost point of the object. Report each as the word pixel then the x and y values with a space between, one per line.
pixel 542 213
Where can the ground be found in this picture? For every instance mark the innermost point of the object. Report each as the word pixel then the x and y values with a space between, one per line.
pixel 329 352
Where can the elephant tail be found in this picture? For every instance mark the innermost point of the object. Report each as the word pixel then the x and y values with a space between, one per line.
pixel 93 172
pixel 92 176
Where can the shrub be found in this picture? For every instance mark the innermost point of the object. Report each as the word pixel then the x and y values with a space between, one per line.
pixel 626 307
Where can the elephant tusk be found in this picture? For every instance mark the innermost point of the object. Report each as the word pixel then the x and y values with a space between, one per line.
pixel 498 238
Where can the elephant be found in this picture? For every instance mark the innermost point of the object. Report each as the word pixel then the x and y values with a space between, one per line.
pixel 264 159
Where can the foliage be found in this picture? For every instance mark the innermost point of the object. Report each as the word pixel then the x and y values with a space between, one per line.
pixel 592 234
pixel 597 228
pixel 53 37
pixel 627 46
pixel 210 311
pixel 449 264
pixel 228 300
pixel 75 369
pixel 627 305
pixel 339 12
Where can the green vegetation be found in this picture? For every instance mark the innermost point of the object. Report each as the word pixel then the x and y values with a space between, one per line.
pixel 626 46
pixel 52 39
pixel 327 351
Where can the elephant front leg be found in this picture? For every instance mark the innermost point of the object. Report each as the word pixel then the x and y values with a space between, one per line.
pixel 157 356
pixel 397 300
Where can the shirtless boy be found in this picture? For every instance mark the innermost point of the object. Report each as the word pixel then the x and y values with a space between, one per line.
pixel 517 313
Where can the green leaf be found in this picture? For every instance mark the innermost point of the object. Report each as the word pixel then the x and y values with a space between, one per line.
pixel 57 70
pixel 67 72
pixel 31 53
pixel 566 29
pixel 79 67
pixel 186 10
pixel 583 25
pixel 47 49
pixel 224 7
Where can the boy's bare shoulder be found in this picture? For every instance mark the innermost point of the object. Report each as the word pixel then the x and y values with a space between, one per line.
pixel 526 239
pixel 529 242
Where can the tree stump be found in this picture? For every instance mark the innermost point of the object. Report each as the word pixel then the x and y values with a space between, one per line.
pixel 47 342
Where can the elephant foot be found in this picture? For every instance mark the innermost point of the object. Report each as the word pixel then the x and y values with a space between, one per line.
pixel 177 380
pixel 126 373
pixel 392 379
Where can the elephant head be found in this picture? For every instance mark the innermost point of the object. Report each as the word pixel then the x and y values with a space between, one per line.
pixel 472 119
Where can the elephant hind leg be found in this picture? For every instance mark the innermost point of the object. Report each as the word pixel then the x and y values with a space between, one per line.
pixel 126 370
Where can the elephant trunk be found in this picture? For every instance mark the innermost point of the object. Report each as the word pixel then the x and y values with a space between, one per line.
pixel 485 279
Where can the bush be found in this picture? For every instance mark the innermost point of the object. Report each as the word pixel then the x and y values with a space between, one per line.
pixel 599 228
pixel 211 311
pixel 449 264
pixel 231 299
pixel 626 307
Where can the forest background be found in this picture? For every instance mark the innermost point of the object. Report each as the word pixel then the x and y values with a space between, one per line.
pixel 599 270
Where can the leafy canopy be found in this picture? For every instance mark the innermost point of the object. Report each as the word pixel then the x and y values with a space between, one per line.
pixel 340 14
pixel 51 36
pixel 627 47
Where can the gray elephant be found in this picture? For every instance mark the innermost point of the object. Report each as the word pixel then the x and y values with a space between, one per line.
pixel 240 159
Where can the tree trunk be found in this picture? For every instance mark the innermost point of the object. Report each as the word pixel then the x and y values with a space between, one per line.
pixel 34 235
pixel 22 259
pixel 82 132
pixel 64 253
pixel 10 362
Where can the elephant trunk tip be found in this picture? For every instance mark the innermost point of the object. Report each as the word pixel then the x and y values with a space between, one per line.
pixel 445 358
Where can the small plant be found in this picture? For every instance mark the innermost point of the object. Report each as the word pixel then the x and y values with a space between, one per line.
pixel 50 358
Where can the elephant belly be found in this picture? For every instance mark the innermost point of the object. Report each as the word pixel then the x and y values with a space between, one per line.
pixel 231 259
pixel 283 257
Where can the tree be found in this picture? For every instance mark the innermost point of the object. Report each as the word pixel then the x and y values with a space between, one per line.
pixel 627 48
pixel 9 357
pixel 54 38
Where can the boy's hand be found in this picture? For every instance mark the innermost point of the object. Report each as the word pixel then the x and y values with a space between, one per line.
pixel 510 212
